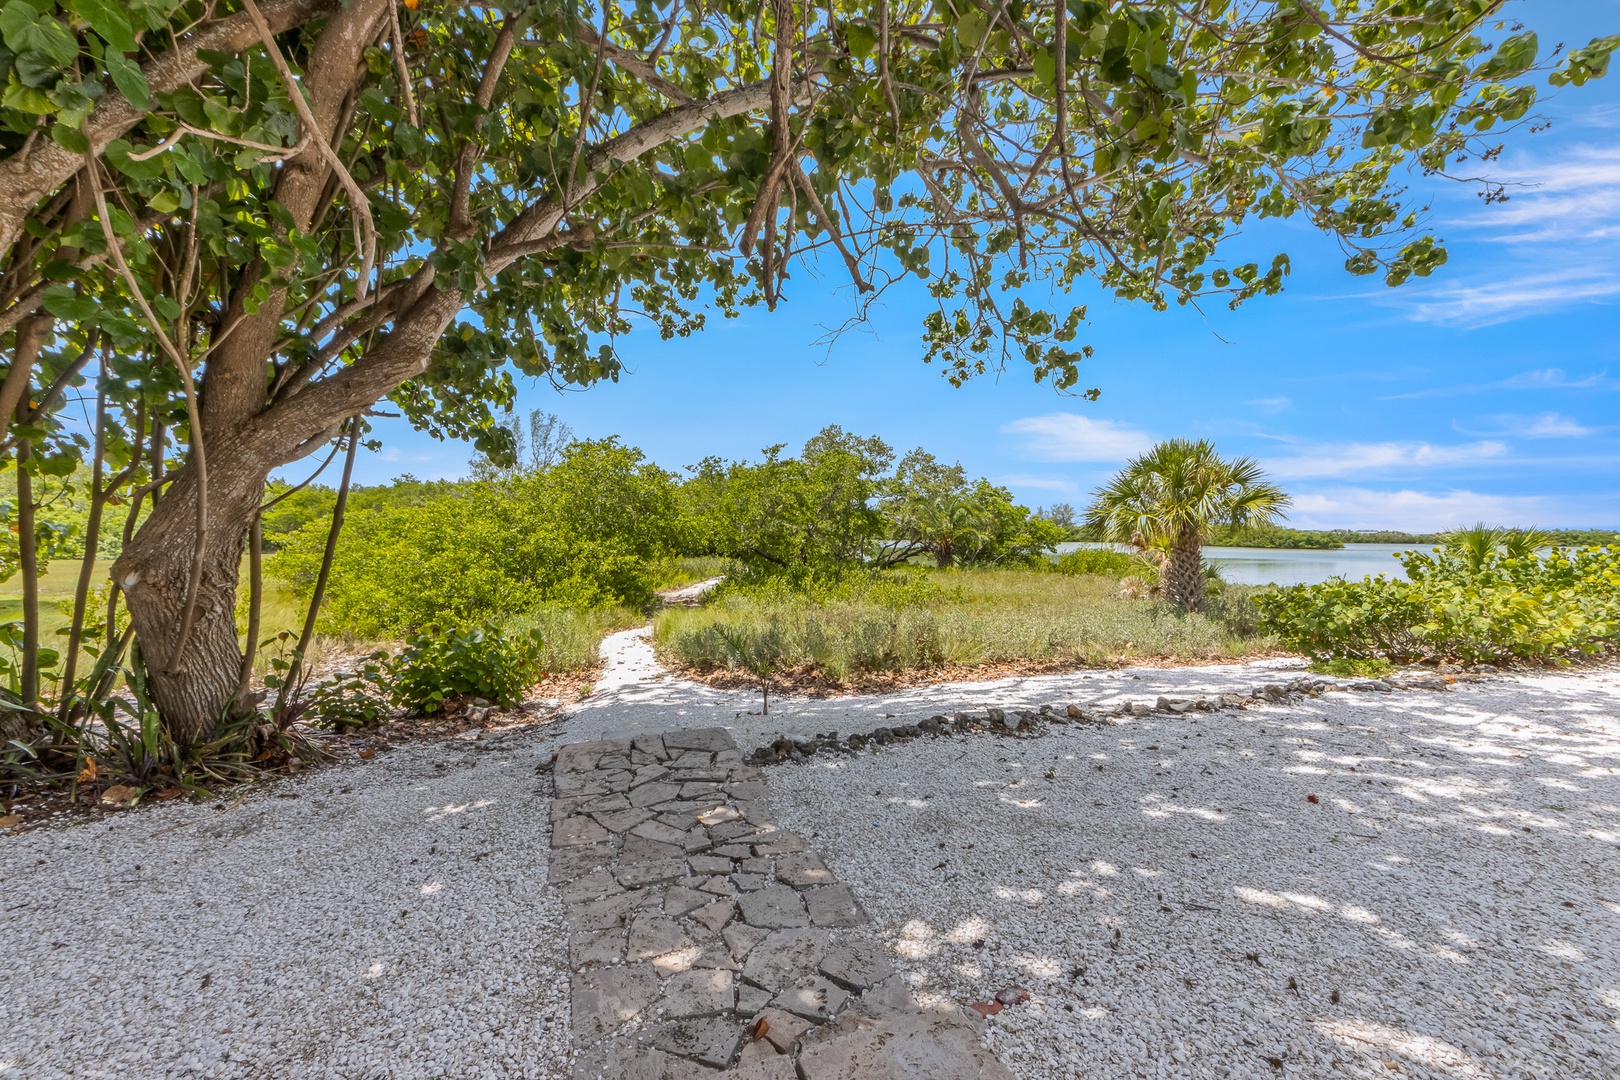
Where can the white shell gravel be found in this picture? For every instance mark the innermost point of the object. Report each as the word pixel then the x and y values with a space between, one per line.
pixel 391 920
pixel 1179 908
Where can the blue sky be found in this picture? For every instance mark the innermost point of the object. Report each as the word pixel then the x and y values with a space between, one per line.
pixel 1490 391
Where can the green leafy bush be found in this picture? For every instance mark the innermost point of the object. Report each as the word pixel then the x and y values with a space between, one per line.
pixel 1346 668
pixel 442 665
pixel 353 699
pixel 1469 606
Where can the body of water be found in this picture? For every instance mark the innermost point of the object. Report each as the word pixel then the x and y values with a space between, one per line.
pixel 1297 566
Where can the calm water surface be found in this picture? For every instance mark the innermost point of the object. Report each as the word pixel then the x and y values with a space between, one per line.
pixel 1294 566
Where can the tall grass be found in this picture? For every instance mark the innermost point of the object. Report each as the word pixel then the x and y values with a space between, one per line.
pixel 967 619
pixel 573 636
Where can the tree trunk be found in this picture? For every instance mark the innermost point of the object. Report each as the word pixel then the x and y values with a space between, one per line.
pixel 195 691
pixel 1184 573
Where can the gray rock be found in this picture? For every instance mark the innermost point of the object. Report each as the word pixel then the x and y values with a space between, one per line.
pixel 802 870
pixel 594 948
pixel 712 1041
pixel 881 1045
pixel 698 993
pixel 818 1000
pixel 774 908
pixel 623 820
pixel 779 843
pixel 578 831
pixel 833 905
pixel 655 935
pixel 619 1061
pixel 785 958
pixel 716 915
pixel 712 740
pixel 656 872
pixel 856 967
pixel 604 999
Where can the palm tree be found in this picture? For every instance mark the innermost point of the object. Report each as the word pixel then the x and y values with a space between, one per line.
pixel 1171 497
pixel 1482 546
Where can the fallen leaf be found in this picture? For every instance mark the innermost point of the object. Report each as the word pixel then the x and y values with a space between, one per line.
pixel 1012 995
pixel 1312 799
pixel 120 793
pixel 761 1029
pixel 171 793
pixel 986 1008
pixel 368 753
pixel 88 773
pixel 9 820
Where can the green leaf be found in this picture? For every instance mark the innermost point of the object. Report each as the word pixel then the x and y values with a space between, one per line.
pixel 862 40
pixel 127 76
pixel 28 99
pixel 107 21
pixel 67 304
pixel 971 27
pixel 166 201
pixel 70 139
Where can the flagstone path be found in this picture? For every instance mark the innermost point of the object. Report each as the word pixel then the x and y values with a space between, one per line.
pixel 705 941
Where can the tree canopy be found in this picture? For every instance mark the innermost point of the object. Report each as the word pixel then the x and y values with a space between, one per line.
pixel 258 218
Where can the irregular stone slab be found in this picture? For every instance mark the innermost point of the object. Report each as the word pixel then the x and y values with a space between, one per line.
pixel 856 967
pixel 782 959
pixel 833 905
pixel 692 916
pixel 619 1062
pixel 774 908
pixel 651 794
pixel 640 875
pixel 605 999
pixel 577 831
pixel 896 1046
pixel 782 1029
pixel 698 993
pixel 596 948
pixel 802 870
pixel 713 740
pixel 712 1041
pixel 623 820
pixel 818 1001
pixel 775 1068
pixel 654 935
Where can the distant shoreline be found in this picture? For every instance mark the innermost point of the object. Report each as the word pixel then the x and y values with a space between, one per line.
pixel 1334 539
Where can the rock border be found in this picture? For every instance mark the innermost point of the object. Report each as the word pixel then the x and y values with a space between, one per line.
pixel 1029 723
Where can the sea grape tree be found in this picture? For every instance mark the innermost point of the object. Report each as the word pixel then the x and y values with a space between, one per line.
pixel 252 220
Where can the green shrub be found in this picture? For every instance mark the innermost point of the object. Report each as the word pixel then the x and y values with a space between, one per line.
pixel 353 699
pixel 1103 561
pixel 442 665
pixel 1346 668
pixel 1462 606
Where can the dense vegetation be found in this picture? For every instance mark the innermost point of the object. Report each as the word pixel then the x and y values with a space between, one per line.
pixel 1484 596
pixel 247 223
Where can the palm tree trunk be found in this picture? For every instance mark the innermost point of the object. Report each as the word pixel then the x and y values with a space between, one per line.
pixel 1184 573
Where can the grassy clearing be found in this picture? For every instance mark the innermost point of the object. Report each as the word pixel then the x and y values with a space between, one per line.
pixel 967 619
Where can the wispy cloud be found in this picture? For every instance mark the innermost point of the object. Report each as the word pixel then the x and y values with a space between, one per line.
pixel 1272 405
pixel 1070 437
pixel 1026 481
pixel 1540 379
pixel 1385 458
pixel 1410 510
pixel 1547 425
pixel 1558 223
pixel 1492 303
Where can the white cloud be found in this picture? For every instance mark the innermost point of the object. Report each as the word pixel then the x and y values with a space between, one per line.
pixel 1411 511
pixel 1349 459
pixel 1559 220
pixel 1272 405
pixel 1069 437
pixel 1547 425
pixel 1059 484
pixel 1496 302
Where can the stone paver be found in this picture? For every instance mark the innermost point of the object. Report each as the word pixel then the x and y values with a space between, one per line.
pixel 707 941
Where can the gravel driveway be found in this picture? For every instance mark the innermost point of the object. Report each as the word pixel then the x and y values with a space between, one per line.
pixel 1448 905
pixel 1176 904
